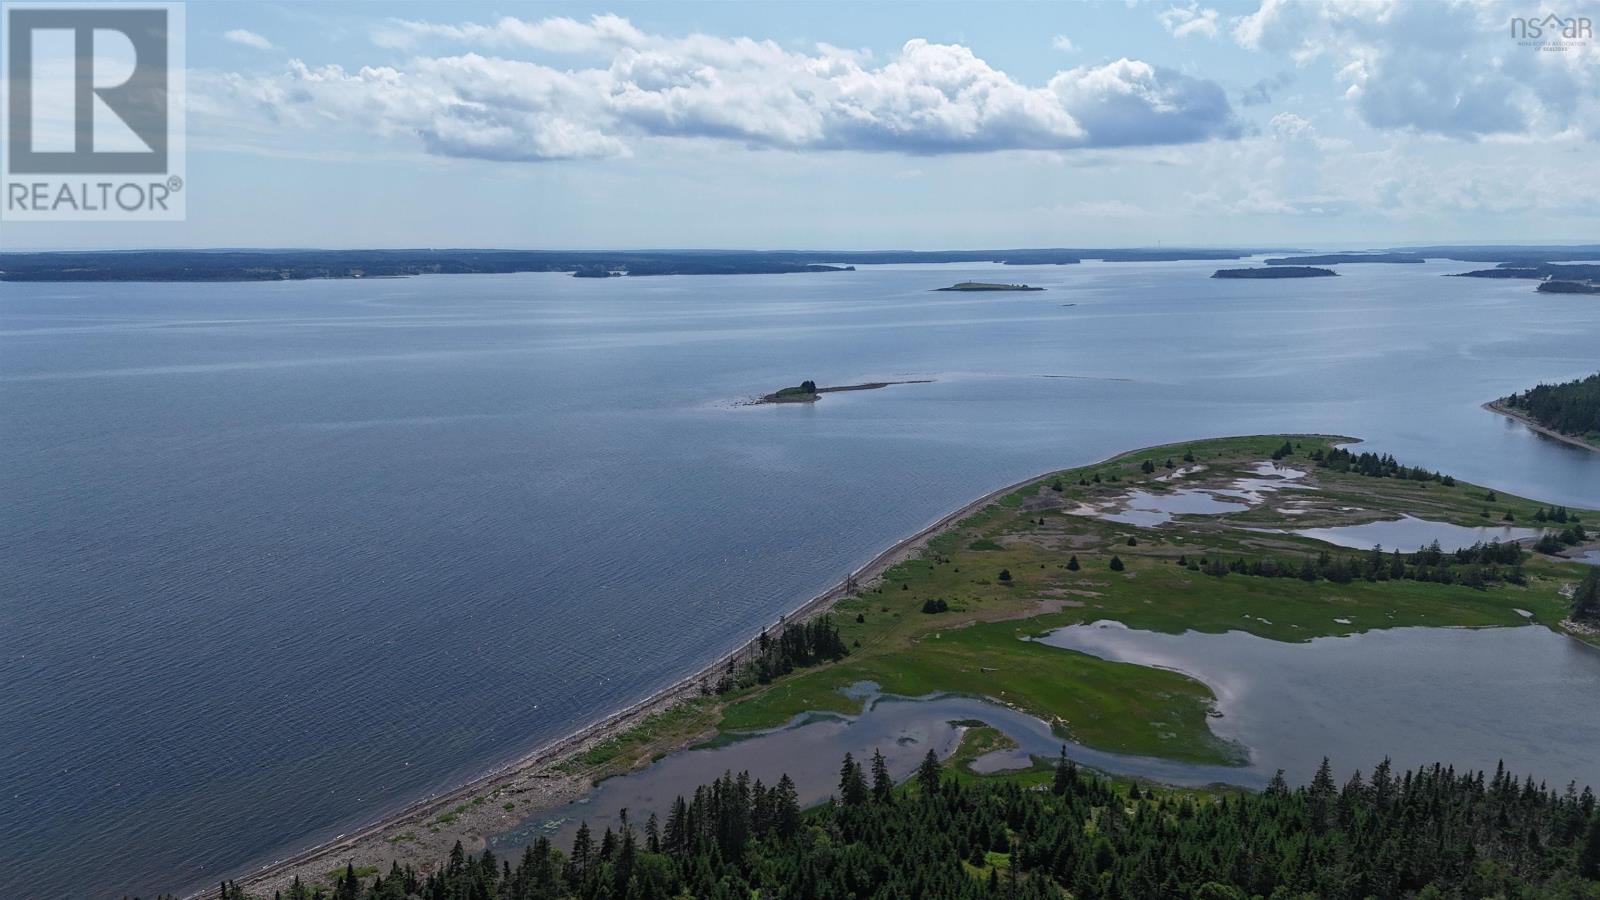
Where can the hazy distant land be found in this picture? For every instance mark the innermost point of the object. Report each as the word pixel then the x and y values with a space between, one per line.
pixel 987 286
pixel 1276 272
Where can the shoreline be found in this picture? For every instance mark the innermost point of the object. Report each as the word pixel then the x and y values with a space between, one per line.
pixel 319 859
pixel 1495 406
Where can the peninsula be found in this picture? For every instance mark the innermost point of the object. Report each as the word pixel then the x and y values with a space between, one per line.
pixel 950 610
pixel 1276 272
pixel 1568 412
pixel 1555 286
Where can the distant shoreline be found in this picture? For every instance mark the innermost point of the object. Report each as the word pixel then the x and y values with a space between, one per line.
pixel 1496 406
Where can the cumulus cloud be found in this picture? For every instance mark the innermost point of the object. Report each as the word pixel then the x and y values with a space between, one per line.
pixel 928 98
pixel 1182 21
pixel 1063 43
pixel 248 39
pixel 1448 68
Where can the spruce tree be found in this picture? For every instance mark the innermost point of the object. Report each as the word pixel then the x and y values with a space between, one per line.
pixel 852 786
pixel 882 784
pixel 928 774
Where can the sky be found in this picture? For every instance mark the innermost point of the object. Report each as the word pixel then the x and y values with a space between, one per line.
pixel 876 125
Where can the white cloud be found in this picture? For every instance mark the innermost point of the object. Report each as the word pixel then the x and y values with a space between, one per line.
pixel 1449 68
pixel 1182 21
pixel 1063 43
pixel 248 39
pixel 928 98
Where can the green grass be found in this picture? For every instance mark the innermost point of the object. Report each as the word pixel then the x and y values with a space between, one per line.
pixel 978 648
pixel 645 740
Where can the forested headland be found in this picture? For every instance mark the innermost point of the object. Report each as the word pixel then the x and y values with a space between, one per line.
pixel 1054 832
pixel 1572 408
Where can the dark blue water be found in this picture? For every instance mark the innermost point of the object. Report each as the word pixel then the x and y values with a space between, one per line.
pixel 278 558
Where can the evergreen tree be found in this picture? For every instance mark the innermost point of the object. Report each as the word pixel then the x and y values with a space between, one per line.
pixel 928 774
pixel 882 784
pixel 852 785
pixel 1586 598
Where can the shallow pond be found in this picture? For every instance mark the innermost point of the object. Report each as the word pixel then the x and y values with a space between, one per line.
pixel 1467 697
pixel 1409 533
pixel 811 748
pixel 1147 509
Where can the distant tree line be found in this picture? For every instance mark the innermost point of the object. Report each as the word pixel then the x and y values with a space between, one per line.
pixel 1373 465
pixel 1428 833
pixel 1570 408
pixel 1477 566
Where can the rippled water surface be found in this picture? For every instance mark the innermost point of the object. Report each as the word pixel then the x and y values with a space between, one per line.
pixel 279 558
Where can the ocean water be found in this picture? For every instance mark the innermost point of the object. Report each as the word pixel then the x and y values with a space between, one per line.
pixel 278 558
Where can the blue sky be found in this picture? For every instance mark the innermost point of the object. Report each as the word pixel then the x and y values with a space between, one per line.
pixel 855 125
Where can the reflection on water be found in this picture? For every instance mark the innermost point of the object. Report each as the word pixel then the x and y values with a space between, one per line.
pixel 1467 697
pixel 810 749
pixel 1409 533
pixel 1147 509
pixel 1004 760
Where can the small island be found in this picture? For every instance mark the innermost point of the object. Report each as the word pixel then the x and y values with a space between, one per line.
pixel 988 286
pixel 1276 272
pixel 1568 412
pixel 1568 287
pixel 808 392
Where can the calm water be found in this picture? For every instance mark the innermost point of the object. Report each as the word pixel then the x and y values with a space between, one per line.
pixel 1409 533
pixel 811 749
pixel 1467 697
pixel 279 558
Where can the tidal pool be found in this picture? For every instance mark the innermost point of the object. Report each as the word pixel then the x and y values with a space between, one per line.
pixel 1147 509
pixel 1465 697
pixel 1409 533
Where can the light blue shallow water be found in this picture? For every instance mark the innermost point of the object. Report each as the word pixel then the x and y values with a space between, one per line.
pixel 278 558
